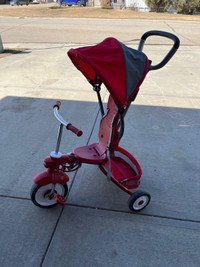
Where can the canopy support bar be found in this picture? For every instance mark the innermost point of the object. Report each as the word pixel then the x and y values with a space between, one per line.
pixel 97 89
pixel 100 104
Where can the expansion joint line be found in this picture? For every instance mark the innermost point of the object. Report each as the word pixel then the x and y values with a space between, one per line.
pixel 129 212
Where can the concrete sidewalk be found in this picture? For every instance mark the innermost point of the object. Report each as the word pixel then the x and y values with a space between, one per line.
pixel 96 228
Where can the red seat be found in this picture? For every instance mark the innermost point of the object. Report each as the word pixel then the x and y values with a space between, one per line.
pixel 97 153
pixel 92 154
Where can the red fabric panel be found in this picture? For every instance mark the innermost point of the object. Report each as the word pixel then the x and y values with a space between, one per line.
pixel 86 69
pixel 106 61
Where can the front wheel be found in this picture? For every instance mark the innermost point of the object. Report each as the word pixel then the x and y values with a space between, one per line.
pixel 41 195
pixel 138 201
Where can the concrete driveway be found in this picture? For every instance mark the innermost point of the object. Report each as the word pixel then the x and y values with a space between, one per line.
pixel 162 131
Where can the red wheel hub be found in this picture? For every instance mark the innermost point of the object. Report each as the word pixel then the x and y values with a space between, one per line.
pixel 141 202
pixel 47 194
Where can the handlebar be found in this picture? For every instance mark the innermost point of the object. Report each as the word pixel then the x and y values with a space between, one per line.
pixel 169 55
pixel 68 126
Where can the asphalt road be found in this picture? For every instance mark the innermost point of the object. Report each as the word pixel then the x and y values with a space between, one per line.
pixel 88 31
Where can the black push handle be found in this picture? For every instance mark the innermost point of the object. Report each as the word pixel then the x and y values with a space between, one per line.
pixel 169 55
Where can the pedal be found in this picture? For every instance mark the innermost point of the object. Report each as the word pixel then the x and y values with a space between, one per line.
pixel 60 200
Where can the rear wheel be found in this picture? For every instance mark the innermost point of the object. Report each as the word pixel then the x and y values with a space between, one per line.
pixel 79 3
pixel 41 195
pixel 138 201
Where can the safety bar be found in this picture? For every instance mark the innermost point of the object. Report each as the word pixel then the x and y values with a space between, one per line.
pixel 170 53
pixel 68 126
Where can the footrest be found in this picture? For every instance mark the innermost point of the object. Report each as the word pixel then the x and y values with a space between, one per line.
pixel 125 169
pixel 60 200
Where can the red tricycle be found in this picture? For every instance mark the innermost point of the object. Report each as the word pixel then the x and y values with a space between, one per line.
pixel 122 70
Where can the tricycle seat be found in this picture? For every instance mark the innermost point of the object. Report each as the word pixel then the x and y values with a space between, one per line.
pixel 92 154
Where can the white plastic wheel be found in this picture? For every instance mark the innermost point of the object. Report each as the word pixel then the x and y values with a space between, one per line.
pixel 40 195
pixel 138 201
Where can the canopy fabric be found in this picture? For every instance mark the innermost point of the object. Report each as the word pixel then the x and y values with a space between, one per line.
pixel 120 68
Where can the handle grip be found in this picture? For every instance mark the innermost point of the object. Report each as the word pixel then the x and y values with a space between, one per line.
pixel 169 55
pixel 58 104
pixel 74 129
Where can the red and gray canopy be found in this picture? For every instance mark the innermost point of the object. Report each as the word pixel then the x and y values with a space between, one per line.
pixel 120 68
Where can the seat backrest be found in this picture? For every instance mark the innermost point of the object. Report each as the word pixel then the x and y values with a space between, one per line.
pixel 106 127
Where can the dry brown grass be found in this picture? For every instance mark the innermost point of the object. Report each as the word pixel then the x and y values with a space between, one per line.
pixel 89 12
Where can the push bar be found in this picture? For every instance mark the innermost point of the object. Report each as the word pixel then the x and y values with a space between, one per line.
pixel 170 54
pixel 68 126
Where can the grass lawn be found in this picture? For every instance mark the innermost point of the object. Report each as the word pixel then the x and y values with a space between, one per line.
pixel 87 12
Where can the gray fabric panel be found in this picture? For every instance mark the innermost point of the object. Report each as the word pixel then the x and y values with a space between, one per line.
pixel 135 63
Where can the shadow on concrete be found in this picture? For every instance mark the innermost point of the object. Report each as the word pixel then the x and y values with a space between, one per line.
pixel 165 141
pixel 10 52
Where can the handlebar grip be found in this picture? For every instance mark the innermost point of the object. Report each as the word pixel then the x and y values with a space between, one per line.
pixel 74 129
pixel 58 104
